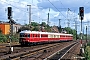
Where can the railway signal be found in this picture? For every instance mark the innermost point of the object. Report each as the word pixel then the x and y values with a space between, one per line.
pixel 11 26
pixel 9 12
pixel 81 15
pixel 81 12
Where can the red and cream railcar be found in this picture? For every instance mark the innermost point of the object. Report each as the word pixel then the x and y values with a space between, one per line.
pixel 39 37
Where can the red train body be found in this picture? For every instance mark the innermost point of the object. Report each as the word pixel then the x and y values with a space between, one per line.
pixel 29 37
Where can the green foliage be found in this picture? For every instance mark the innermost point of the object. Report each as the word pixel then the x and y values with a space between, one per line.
pixel 14 38
pixel 34 24
pixel 48 29
pixel 3 38
pixel 59 28
pixel 35 29
pixel 87 53
pixel 88 44
pixel 71 31
pixel 0 30
pixel 44 24
pixel 23 28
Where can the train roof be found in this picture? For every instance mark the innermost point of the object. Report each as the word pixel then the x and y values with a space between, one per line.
pixel 39 32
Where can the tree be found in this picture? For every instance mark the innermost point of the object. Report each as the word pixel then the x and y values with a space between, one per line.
pixel 34 24
pixel 71 31
pixel 43 24
pixel 35 29
pixel 59 28
pixel 23 28
pixel 48 28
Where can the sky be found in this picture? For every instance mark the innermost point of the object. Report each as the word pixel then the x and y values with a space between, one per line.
pixel 65 10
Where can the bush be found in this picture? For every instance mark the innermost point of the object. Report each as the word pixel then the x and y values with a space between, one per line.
pixel 6 38
pixel 3 38
pixel 14 38
pixel 88 44
pixel 87 53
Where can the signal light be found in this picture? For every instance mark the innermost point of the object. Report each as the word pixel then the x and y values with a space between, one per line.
pixel 81 11
pixel 9 11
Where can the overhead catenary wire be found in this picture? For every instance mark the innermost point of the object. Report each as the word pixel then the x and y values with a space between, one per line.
pixel 16 7
pixel 61 3
pixel 13 6
pixel 56 8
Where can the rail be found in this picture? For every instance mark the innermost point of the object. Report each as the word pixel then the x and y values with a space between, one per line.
pixel 59 54
pixel 25 53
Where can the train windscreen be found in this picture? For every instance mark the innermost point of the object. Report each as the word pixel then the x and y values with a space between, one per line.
pixel 24 35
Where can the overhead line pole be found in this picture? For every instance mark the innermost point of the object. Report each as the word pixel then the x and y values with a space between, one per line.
pixel 48 19
pixel 59 25
pixel 76 28
pixel 29 15
pixel 86 35
pixel 67 17
pixel 59 22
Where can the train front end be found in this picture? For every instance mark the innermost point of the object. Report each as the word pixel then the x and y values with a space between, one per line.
pixel 24 38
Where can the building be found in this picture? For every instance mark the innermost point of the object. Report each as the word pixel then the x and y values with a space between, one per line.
pixel 5 28
pixel 16 27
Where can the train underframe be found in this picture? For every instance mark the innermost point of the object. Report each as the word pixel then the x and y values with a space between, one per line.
pixel 43 42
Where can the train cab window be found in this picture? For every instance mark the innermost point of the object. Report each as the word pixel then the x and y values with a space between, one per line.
pixel 21 34
pixel 28 35
pixel 25 35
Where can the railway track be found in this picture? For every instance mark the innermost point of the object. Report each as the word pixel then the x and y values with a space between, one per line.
pixel 61 53
pixel 33 53
pixel 4 48
pixel 73 52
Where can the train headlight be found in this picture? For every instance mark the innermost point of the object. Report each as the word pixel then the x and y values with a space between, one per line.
pixel 28 40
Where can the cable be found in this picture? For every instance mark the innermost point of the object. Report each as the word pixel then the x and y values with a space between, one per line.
pixel 56 8
pixel 14 6
pixel 64 6
pixel 61 3
pixel 86 4
pixel 16 2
